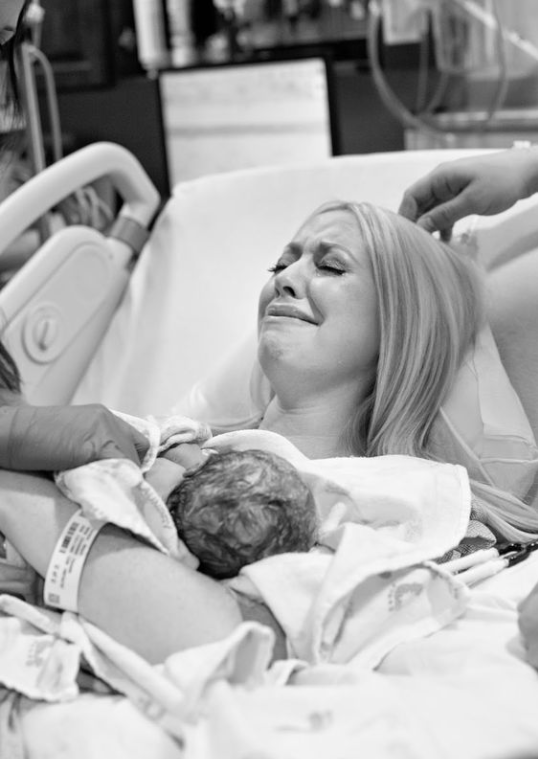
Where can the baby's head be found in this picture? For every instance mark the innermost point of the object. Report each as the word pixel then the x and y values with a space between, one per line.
pixel 242 506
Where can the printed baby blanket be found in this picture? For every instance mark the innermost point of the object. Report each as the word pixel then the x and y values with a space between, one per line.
pixel 368 585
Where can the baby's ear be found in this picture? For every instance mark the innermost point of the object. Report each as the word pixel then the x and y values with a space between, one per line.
pixel 164 476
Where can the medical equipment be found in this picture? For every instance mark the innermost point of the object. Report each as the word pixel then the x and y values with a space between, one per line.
pixel 85 272
pixel 186 302
pixel 481 565
pixel 478 46
pixel 152 38
pixel 265 112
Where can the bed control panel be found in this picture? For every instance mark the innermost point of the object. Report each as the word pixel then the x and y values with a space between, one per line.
pixel 56 309
pixel 59 307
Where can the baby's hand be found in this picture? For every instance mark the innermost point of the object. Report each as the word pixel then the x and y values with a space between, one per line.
pixel 188 455
pixel 164 476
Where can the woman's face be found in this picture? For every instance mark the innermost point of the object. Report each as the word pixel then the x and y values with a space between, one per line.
pixel 318 314
pixel 9 14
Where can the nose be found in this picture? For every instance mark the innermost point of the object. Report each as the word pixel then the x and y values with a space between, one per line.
pixel 292 281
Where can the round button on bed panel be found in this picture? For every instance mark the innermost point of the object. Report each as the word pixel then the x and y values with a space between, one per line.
pixel 43 332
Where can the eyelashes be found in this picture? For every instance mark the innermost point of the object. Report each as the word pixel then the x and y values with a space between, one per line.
pixel 275 268
pixel 334 270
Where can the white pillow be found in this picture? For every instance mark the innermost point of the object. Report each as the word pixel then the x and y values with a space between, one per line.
pixel 482 424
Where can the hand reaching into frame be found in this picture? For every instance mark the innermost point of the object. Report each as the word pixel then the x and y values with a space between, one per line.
pixel 483 184
pixel 52 438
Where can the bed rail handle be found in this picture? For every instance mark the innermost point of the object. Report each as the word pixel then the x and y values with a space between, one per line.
pixel 97 161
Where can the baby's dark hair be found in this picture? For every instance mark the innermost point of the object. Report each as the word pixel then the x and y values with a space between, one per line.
pixel 240 507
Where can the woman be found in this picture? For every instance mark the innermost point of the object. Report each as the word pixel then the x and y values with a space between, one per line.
pixel 357 289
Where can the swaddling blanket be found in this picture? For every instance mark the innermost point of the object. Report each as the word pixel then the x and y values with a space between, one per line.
pixel 368 586
pixel 114 490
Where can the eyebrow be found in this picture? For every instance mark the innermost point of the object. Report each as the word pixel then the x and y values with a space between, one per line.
pixel 327 247
pixel 294 248
pixel 323 247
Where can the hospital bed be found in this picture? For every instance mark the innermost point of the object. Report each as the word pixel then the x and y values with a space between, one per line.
pixel 136 318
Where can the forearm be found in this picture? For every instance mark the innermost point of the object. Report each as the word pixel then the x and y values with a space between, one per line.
pixel 144 599
pixel 153 604
pixel 527 160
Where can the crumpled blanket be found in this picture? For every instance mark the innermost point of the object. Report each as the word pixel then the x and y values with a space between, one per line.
pixel 369 585
pixel 49 656
pixel 114 490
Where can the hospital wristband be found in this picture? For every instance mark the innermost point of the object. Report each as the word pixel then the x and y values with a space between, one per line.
pixel 65 567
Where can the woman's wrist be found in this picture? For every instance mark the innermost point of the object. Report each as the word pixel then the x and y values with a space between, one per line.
pixel 528 156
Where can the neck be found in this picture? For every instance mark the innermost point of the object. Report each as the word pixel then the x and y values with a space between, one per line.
pixel 315 426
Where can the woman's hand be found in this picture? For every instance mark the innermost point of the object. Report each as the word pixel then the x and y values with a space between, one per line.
pixel 51 438
pixel 485 185
pixel 528 625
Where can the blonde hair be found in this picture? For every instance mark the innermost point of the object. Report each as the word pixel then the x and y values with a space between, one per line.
pixel 431 307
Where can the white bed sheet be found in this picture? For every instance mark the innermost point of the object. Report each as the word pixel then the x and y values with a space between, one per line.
pixel 463 693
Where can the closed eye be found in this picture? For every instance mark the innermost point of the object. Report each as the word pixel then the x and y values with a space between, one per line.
pixel 331 269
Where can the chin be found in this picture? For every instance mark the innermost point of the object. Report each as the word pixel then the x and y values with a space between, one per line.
pixel 271 348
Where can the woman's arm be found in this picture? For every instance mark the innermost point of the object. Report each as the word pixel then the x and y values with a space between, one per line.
pixel 142 598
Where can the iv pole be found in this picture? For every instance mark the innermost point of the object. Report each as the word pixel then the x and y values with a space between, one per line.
pixel 28 57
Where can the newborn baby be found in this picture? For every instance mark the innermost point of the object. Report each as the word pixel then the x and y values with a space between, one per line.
pixel 237 507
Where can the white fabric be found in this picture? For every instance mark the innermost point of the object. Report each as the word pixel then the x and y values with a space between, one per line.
pixel 361 591
pixel 463 693
pixel 483 426
pixel 114 490
pixel 367 588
